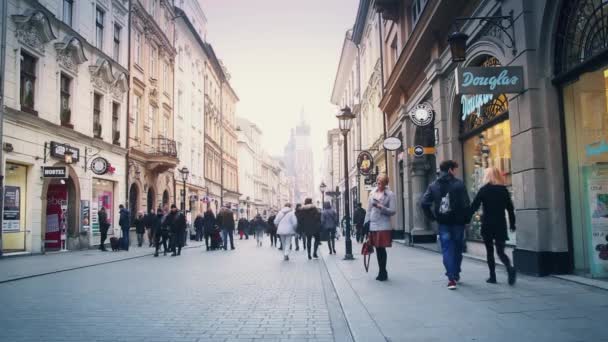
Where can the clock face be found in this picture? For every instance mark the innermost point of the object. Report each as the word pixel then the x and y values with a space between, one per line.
pixel 99 166
pixel 422 115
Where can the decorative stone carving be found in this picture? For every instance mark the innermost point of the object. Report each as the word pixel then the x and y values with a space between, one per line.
pixel 120 85
pixel 119 8
pixel 33 29
pixel 70 53
pixel 101 74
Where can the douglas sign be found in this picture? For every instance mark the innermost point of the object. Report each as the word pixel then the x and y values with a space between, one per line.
pixel 489 80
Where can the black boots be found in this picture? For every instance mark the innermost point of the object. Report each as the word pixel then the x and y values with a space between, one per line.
pixel 382 276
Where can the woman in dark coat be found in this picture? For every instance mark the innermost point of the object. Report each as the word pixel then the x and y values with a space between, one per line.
pixel 495 198
pixel 198 226
pixel 209 224
pixel 140 228
pixel 309 224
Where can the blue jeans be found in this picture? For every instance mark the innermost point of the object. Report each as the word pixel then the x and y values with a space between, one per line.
pixel 452 243
pixel 125 235
pixel 227 234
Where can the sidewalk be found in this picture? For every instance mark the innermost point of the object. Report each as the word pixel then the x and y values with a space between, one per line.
pixel 30 266
pixel 415 305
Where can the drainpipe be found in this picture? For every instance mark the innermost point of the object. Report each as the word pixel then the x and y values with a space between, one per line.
pixel 222 142
pixel 382 87
pixel 128 107
pixel 2 73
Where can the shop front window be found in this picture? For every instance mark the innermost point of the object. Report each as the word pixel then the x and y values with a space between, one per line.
pixel 14 223
pixel 485 131
pixel 586 120
pixel 103 196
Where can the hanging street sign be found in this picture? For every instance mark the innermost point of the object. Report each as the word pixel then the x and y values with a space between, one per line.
pixel 419 151
pixel 58 151
pixel 490 80
pixel 100 166
pixel 54 172
pixel 422 114
pixel 392 143
pixel 365 163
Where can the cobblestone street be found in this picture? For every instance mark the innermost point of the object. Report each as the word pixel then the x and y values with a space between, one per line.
pixel 250 294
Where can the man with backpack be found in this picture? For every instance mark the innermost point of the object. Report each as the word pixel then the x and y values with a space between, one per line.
pixel 446 201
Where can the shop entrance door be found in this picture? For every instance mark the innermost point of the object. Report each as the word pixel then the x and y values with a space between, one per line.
pixel 56 215
pixel 150 200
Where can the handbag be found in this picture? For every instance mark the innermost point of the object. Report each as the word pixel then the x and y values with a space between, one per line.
pixel 367 250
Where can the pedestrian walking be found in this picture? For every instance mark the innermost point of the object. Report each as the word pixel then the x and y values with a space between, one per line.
pixel 125 225
pixel 176 221
pixel 272 230
pixel 286 223
pixel 160 232
pixel 309 223
pixel 496 199
pixel 259 226
pixel 198 227
pixel 446 201
pixel 104 225
pixel 381 206
pixel 298 232
pixel 209 224
pixel 149 223
pixel 140 228
pixel 329 224
pixel 242 227
pixel 225 219
pixel 359 220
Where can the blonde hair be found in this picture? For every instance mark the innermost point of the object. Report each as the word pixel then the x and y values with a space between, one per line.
pixel 383 177
pixel 493 175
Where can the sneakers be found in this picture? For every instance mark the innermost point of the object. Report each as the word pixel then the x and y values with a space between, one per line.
pixel 452 285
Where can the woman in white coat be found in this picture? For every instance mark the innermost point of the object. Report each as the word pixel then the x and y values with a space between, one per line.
pixel 286 223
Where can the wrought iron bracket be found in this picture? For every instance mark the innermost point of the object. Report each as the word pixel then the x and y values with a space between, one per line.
pixel 503 23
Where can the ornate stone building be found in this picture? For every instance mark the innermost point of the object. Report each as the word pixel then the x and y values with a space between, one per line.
pixel 65 97
pixel 152 147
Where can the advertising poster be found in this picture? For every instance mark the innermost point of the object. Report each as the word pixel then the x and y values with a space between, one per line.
pixel 85 216
pixel 94 218
pixel 597 196
pixel 12 209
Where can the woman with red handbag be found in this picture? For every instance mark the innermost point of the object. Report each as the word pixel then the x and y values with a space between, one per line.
pixel 381 207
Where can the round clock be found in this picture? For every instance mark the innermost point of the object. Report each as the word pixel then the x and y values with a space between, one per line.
pixel 422 114
pixel 99 166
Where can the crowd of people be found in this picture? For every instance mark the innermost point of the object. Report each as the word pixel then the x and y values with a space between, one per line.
pixel 446 201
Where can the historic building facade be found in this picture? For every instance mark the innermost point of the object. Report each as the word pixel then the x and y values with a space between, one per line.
pixel 65 97
pixel 230 175
pixel 152 147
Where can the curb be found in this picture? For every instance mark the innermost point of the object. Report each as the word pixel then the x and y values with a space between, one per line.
pixel 80 267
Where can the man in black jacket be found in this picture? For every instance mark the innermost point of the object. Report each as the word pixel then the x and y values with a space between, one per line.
pixel 225 219
pixel 102 216
pixel 125 225
pixel 198 226
pixel 446 201
pixel 359 220
pixel 177 226
pixel 149 223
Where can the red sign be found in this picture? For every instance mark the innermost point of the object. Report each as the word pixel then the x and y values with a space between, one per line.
pixel 56 217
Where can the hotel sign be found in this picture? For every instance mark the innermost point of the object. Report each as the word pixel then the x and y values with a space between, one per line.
pixel 54 172
pixel 489 80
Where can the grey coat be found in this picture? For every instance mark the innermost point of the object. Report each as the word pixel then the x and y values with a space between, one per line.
pixel 380 219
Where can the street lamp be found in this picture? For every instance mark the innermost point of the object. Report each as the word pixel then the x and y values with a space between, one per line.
pixel 345 120
pixel 248 199
pixel 68 156
pixel 458 46
pixel 184 173
pixel 323 188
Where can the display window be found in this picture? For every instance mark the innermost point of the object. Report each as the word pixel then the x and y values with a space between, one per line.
pixel 586 118
pixel 103 196
pixel 485 132
pixel 14 220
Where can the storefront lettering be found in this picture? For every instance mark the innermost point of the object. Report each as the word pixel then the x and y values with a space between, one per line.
pixel 596 149
pixel 503 79
pixel 473 104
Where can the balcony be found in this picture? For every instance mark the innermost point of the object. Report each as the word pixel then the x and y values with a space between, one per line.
pixel 160 156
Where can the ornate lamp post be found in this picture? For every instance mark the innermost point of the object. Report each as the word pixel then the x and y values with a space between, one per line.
pixel 184 173
pixel 345 120
pixel 323 188
pixel 248 199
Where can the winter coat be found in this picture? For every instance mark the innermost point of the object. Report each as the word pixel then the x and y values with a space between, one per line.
pixel 259 225
pixel 329 218
pixel 123 220
pixel 209 222
pixel 140 226
pixel 380 219
pixel 103 221
pixel 243 225
pixel 225 219
pixel 359 217
pixel 286 221
pixel 198 223
pixel 155 222
pixel 176 222
pixel 459 201
pixel 309 220
pixel 272 228
pixel 495 200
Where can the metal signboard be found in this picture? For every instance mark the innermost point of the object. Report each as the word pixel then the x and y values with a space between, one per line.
pixel 490 80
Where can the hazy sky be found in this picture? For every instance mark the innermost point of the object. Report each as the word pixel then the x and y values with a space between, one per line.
pixel 282 56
